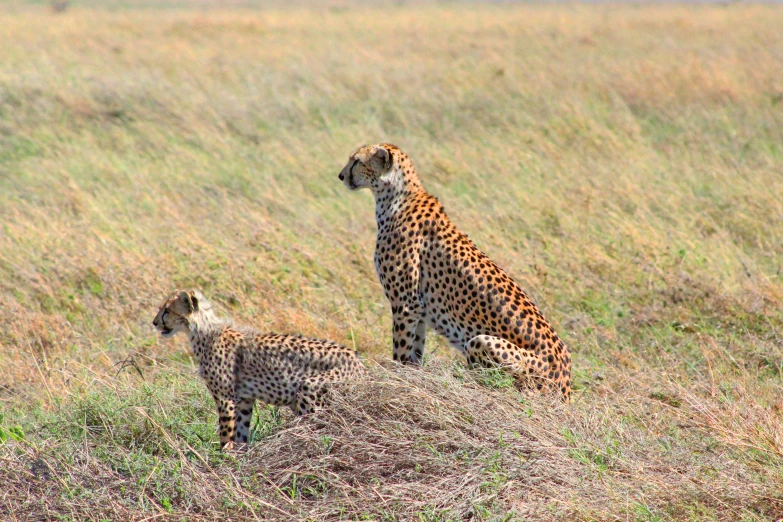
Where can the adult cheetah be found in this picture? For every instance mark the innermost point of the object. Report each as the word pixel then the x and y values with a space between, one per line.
pixel 433 274
pixel 241 365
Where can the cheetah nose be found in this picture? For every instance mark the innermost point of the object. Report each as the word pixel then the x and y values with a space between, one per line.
pixel 154 322
pixel 341 176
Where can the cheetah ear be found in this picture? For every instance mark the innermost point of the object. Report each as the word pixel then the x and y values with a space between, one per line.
pixel 186 298
pixel 194 301
pixel 385 157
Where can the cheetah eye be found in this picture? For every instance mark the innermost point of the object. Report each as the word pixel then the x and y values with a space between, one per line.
pixel 355 162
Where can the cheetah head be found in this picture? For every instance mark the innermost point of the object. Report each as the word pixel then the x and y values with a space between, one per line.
pixel 175 314
pixel 371 167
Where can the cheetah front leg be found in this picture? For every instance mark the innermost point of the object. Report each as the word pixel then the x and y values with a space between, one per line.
pixel 400 278
pixel 408 335
pixel 226 409
pixel 244 414
pixel 528 370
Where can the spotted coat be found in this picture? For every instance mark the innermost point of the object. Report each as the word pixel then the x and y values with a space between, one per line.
pixel 434 275
pixel 241 365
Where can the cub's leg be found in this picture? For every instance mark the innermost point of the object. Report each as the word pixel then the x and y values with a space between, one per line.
pixel 528 370
pixel 227 421
pixel 244 414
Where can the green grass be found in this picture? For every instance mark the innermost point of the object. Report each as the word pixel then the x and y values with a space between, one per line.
pixel 623 163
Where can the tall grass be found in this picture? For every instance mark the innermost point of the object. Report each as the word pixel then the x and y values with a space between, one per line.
pixel 624 163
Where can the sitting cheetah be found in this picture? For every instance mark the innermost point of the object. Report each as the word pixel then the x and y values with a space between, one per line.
pixel 241 365
pixel 433 274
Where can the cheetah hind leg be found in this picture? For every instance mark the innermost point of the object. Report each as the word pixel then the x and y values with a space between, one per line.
pixel 312 393
pixel 528 371
pixel 244 414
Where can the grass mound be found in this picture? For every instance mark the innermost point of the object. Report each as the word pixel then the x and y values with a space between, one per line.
pixel 426 443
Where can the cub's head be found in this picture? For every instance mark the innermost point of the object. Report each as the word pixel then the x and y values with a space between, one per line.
pixel 372 166
pixel 176 312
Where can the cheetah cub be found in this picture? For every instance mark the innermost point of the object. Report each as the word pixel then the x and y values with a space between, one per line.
pixel 241 365
pixel 434 275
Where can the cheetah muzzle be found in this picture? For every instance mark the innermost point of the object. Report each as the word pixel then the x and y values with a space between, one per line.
pixel 347 178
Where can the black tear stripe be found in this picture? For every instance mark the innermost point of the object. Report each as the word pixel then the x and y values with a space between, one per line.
pixel 350 172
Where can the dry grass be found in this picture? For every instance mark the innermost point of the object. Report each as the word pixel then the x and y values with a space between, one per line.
pixel 623 163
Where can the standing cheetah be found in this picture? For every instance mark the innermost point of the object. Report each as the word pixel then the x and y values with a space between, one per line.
pixel 241 365
pixel 433 274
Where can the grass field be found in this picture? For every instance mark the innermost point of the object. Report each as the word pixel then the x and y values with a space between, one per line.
pixel 623 163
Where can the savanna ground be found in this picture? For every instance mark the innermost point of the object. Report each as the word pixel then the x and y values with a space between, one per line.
pixel 624 163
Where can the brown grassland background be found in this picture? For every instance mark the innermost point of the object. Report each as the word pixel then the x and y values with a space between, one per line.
pixel 623 163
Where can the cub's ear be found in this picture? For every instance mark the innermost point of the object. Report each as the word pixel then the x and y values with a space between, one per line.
pixel 385 157
pixel 187 300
